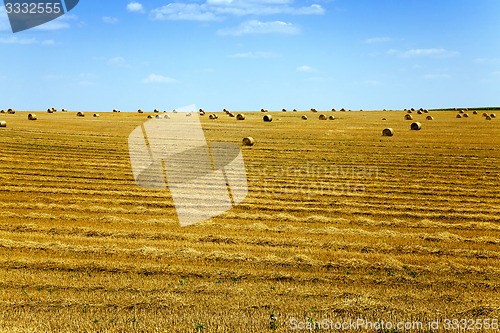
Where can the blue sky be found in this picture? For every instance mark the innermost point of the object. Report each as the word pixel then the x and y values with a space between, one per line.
pixel 247 55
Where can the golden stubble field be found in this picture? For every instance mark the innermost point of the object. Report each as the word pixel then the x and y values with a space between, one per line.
pixel 340 224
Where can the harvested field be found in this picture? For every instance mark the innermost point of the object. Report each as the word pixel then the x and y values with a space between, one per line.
pixel 340 223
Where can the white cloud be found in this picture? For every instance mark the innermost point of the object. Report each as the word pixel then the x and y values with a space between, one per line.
pixel 212 10
pixel 156 78
pixel 183 11
pixel 109 20
pixel 305 69
pixel 25 41
pixel 378 40
pixel 253 55
pixel 436 76
pixel 135 7
pixel 435 53
pixel 118 62
pixel 258 27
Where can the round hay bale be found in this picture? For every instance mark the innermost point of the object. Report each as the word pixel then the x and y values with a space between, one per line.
pixel 3 123
pixel 485 114
pixel 96 115
pixel 166 116
pixel 240 116
pixel 283 110
pixel 474 112
pixel 188 114
pixel 138 111
pixel 408 117
pixel 150 117
pixel 429 118
pixel 294 110
pixel 32 116
pixel 158 116
pixel 115 111
pixel 304 117
pixel 493 115
pixel 333 110
pixel 3 111
pixel 314 110
pixel 225 110
pixel 461 111
pixel 248 141
pixel 230 114
pixel 156 111
pixel 212 116
pixel 263 110
pixel 331 118
pixel 50 111
pixel 412 109
pixel 419 112
pixel 487 118
pixel 426 111
pixel 409 111
pixel 459 115
pixel 11 111
pixel 268 118
pixel 342 110
pixel 201 112
pixel 384 119
pixel 465 115
pixel 388 132
pixel 322 117
pixel 80 114
pixel 174 111
pixel 64 110
pixel 416 126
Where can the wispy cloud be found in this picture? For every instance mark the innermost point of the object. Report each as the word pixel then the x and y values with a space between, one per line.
pixel 253 55
pixel 434 76
pixel 305 69
pixel 258 27
pixel 135 7
pixel 433 52
pixel 211 10
pixel 60 23
pixel 118 61
pixel 109 20
pixel 158 79
pixel 26 41
pixel 377 40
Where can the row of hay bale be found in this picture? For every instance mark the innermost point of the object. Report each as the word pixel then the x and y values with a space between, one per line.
pixel 410 117
pixel 9 111
pixel 416 126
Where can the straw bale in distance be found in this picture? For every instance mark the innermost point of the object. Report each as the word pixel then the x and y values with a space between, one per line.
pixel 240 116
pixel 3 123
pixel 322 117
pixel 268 118
pixel 408 117
pixel 331 118
pixel 248 141
pixel 416 126
pixel 304 117
pixel 32 116
pixel 388 132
